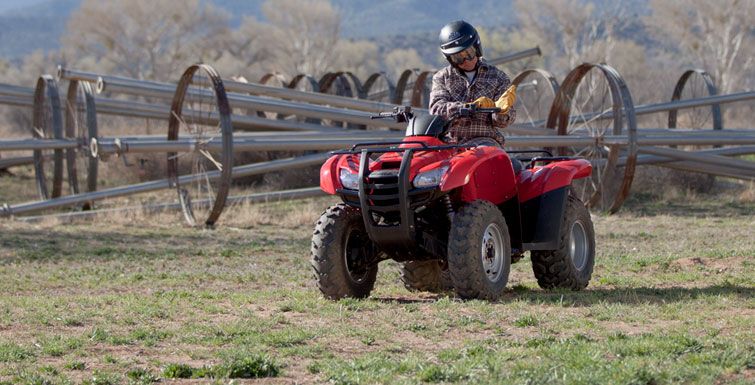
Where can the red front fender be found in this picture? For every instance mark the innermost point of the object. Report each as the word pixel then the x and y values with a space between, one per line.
pixel 483 173
pixel 329 180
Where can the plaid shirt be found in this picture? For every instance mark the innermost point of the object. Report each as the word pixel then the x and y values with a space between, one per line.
pixel 452 89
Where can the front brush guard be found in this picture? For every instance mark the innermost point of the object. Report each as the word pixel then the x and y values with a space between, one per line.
pixel 403 235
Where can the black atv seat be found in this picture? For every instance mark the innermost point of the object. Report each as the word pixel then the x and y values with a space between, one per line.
pixel 517 164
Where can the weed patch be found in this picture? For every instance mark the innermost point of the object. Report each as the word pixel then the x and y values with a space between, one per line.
pixel 255 366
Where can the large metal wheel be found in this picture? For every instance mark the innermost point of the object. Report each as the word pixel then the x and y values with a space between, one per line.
pixel 402 85
pixel 693 84
pixel 421 89
pixel 536 89
pixel 272 80
pixel 81 125
pixel 339 84
pixel 594 102
pixel 47 123
pixel 200 110
pixel 379 88
pixel 306 83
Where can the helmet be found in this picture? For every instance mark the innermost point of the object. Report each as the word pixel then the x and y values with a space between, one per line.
pixel 458 36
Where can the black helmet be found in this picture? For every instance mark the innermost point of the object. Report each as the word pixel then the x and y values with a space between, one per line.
pixel 457 36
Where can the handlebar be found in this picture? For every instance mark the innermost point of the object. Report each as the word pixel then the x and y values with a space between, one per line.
pixel 471 109
pixel 401 114
pixel 383 115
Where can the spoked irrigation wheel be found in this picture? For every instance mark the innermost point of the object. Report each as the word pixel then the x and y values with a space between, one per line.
pixel 421 90
pixel 340 84
pixel 403 85
pixel 379 88
pixel 535 92
pixel 694 84
pixel 47 123
pixel 594 102
pixel 200 111
pixel 81 125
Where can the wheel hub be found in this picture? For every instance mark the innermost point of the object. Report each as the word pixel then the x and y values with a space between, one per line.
pixel 578 245
pixel 356 256
pixel 492 252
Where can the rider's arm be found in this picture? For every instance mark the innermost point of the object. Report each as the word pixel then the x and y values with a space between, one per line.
pixel 504 120
pixel 441 99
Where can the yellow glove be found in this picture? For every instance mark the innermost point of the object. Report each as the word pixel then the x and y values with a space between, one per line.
pixel 507 100
pixel 484 102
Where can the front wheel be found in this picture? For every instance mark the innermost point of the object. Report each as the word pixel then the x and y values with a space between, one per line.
pixel 479 251
pixel 570 266
pixel 343 256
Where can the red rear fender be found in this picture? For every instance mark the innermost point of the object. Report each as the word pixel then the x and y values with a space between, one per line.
pixel 539 180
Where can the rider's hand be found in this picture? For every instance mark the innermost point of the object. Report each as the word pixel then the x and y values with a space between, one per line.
pixel 507 100
pixel 484 102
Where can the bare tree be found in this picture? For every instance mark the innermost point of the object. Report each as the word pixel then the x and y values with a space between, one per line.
pixel 17 121
pixel 305 34
pixel 359 56
pixel 151 39
pixel 248 50
pixel 399 60
pixel 716 35
pixel 500 41
pixel 572 31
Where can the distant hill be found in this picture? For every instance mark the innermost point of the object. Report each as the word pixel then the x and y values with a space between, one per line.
pixel 29 25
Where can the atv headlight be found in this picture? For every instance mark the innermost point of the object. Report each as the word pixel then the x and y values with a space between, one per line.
pixel 430 178
pixel 349 179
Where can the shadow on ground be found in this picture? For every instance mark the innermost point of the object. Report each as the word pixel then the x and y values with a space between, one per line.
pixel 629 296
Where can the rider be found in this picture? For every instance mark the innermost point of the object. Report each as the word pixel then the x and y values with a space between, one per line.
pixel 469 79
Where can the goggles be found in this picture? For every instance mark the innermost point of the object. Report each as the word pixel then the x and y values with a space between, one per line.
pixel 460 57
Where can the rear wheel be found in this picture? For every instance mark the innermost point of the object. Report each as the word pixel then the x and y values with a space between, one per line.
pixel 570 266
pixel 430 276
pixel 479 251
pixel 343 256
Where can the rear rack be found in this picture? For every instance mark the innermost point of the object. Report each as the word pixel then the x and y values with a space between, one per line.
pixel 545 159
pixel 550 154
pixel 549 159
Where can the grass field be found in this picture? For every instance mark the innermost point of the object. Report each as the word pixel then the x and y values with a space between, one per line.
pixel 135 299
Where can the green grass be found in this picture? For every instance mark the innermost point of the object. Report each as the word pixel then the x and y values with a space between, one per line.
pixel 672 301
pixel 241 366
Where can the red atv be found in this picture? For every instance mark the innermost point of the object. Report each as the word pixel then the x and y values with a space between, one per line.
pixel 454 215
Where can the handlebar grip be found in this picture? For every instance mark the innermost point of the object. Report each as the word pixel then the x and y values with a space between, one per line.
pixel 473 109
pixel 383 115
